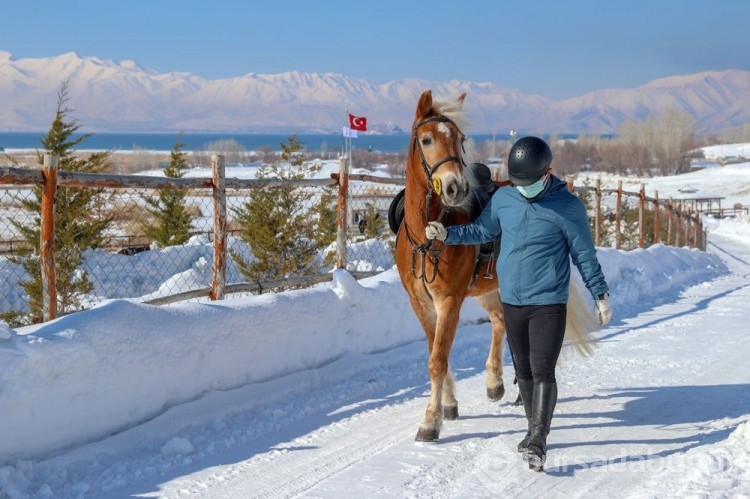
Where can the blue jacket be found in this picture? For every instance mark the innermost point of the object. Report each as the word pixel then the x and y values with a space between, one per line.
pixel 539 238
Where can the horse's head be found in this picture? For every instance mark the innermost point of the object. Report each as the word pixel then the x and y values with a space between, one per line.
pixel 436 155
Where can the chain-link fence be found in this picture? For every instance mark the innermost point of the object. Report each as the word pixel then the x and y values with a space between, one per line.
pixel 12 245
pixel 120 265
pixel 128 261
pixel 372 241
pixel 248 236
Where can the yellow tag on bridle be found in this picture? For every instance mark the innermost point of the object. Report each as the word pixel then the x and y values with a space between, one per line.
pixel 437 185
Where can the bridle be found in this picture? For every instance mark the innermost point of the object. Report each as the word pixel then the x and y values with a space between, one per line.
pixel 434 186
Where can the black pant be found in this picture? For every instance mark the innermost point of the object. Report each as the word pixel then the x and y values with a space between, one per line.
pixel 535 335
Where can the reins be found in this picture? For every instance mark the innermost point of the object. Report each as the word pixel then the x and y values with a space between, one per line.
pixel 425 250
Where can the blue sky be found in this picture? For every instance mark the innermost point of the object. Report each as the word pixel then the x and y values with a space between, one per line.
pixel 553 48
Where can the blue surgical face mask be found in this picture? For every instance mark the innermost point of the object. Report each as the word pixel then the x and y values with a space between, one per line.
pixel 533 190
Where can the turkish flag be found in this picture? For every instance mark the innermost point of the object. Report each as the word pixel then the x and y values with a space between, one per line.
pixel 358 123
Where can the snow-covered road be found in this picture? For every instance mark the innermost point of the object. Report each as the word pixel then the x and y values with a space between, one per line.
pixel 319 392
pixel 661 409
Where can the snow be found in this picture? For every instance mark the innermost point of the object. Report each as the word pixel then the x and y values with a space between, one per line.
pixel 726 150
pixel 319 392
pixel 731 183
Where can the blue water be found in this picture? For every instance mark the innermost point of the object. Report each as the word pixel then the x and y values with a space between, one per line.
pixel 200 141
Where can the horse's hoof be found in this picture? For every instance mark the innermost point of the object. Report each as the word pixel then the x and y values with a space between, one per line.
pixel 427 435
pixel 496 393
pixel 450 412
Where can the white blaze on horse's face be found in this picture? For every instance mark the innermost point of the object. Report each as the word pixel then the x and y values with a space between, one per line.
pixel 444 129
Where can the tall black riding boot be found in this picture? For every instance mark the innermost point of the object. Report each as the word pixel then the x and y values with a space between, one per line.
pixel 526 392
pixel 542 407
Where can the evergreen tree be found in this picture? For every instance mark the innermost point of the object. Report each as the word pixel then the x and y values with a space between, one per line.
pixel 278 223
pixel 326 219
pixel 170 220
pixel 81 217
pixel 325 216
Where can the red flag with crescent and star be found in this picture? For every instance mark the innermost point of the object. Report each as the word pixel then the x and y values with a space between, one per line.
pixel 358 123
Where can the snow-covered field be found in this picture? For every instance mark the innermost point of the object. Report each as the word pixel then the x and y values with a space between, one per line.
pixel 318 392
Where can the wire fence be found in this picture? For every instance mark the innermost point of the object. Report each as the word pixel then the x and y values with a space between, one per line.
pixel 208 265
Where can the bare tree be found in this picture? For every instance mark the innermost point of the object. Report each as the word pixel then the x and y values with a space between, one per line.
pixel 674 138
pixel 638 144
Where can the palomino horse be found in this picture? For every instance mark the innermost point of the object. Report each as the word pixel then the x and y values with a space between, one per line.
pixel 438 277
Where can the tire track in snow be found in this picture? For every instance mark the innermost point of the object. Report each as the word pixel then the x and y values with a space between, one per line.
pixel 309 459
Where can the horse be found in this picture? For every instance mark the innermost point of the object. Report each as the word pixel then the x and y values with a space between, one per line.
pixel 438 277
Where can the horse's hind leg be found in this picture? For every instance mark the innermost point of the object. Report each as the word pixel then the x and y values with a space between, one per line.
pixel 490 302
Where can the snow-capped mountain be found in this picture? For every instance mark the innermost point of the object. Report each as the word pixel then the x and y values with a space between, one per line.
pixel 717 100
pixel 123 96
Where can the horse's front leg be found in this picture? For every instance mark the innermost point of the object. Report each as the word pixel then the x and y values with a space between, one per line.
pixel 448 397
pixel 491 303
pixel 441 381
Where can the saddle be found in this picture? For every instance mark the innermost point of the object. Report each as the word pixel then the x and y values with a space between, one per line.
pixel 486 252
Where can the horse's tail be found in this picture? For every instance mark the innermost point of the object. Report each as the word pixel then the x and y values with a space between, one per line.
pixel 581 322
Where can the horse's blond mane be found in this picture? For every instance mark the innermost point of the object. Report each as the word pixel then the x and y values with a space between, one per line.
pixel 452 110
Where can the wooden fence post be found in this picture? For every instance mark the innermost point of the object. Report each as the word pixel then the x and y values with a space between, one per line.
pixel 656 217
pixel 669 220
pixel 618 215
pixel 569 180
pixel 598 212
pixel 47 239
pixel 698 229
pixel 219 281
pixel 641 215
pixel 692 222
pixel 341 213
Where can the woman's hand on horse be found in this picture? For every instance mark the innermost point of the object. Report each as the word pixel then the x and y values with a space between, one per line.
pixel 435 230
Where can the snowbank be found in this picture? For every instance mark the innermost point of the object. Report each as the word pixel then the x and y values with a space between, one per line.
pixel 88 375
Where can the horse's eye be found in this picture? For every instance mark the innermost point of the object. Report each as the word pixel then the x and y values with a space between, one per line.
pixel 427 141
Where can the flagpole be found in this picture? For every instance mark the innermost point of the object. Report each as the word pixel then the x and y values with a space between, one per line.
pixel 342 211
pixel 348 140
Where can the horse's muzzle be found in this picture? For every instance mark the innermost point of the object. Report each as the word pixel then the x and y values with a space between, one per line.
pixel 455 190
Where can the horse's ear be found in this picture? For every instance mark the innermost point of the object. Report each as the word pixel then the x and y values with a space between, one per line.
pixel 461 98
pixel 424 107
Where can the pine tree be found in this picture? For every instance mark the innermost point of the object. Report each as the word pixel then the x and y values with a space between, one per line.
pixel 170 220
pixel 81 217
pixel 277 222
pixel 325 217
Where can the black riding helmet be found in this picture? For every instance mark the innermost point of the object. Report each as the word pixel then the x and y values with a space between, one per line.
pixel 528 160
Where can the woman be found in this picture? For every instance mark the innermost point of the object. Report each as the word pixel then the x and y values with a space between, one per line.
pixel 543 227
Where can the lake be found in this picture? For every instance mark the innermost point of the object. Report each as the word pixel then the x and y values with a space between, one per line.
pixel 201 141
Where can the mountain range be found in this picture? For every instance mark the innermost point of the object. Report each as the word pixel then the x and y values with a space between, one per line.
pixel 109 96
